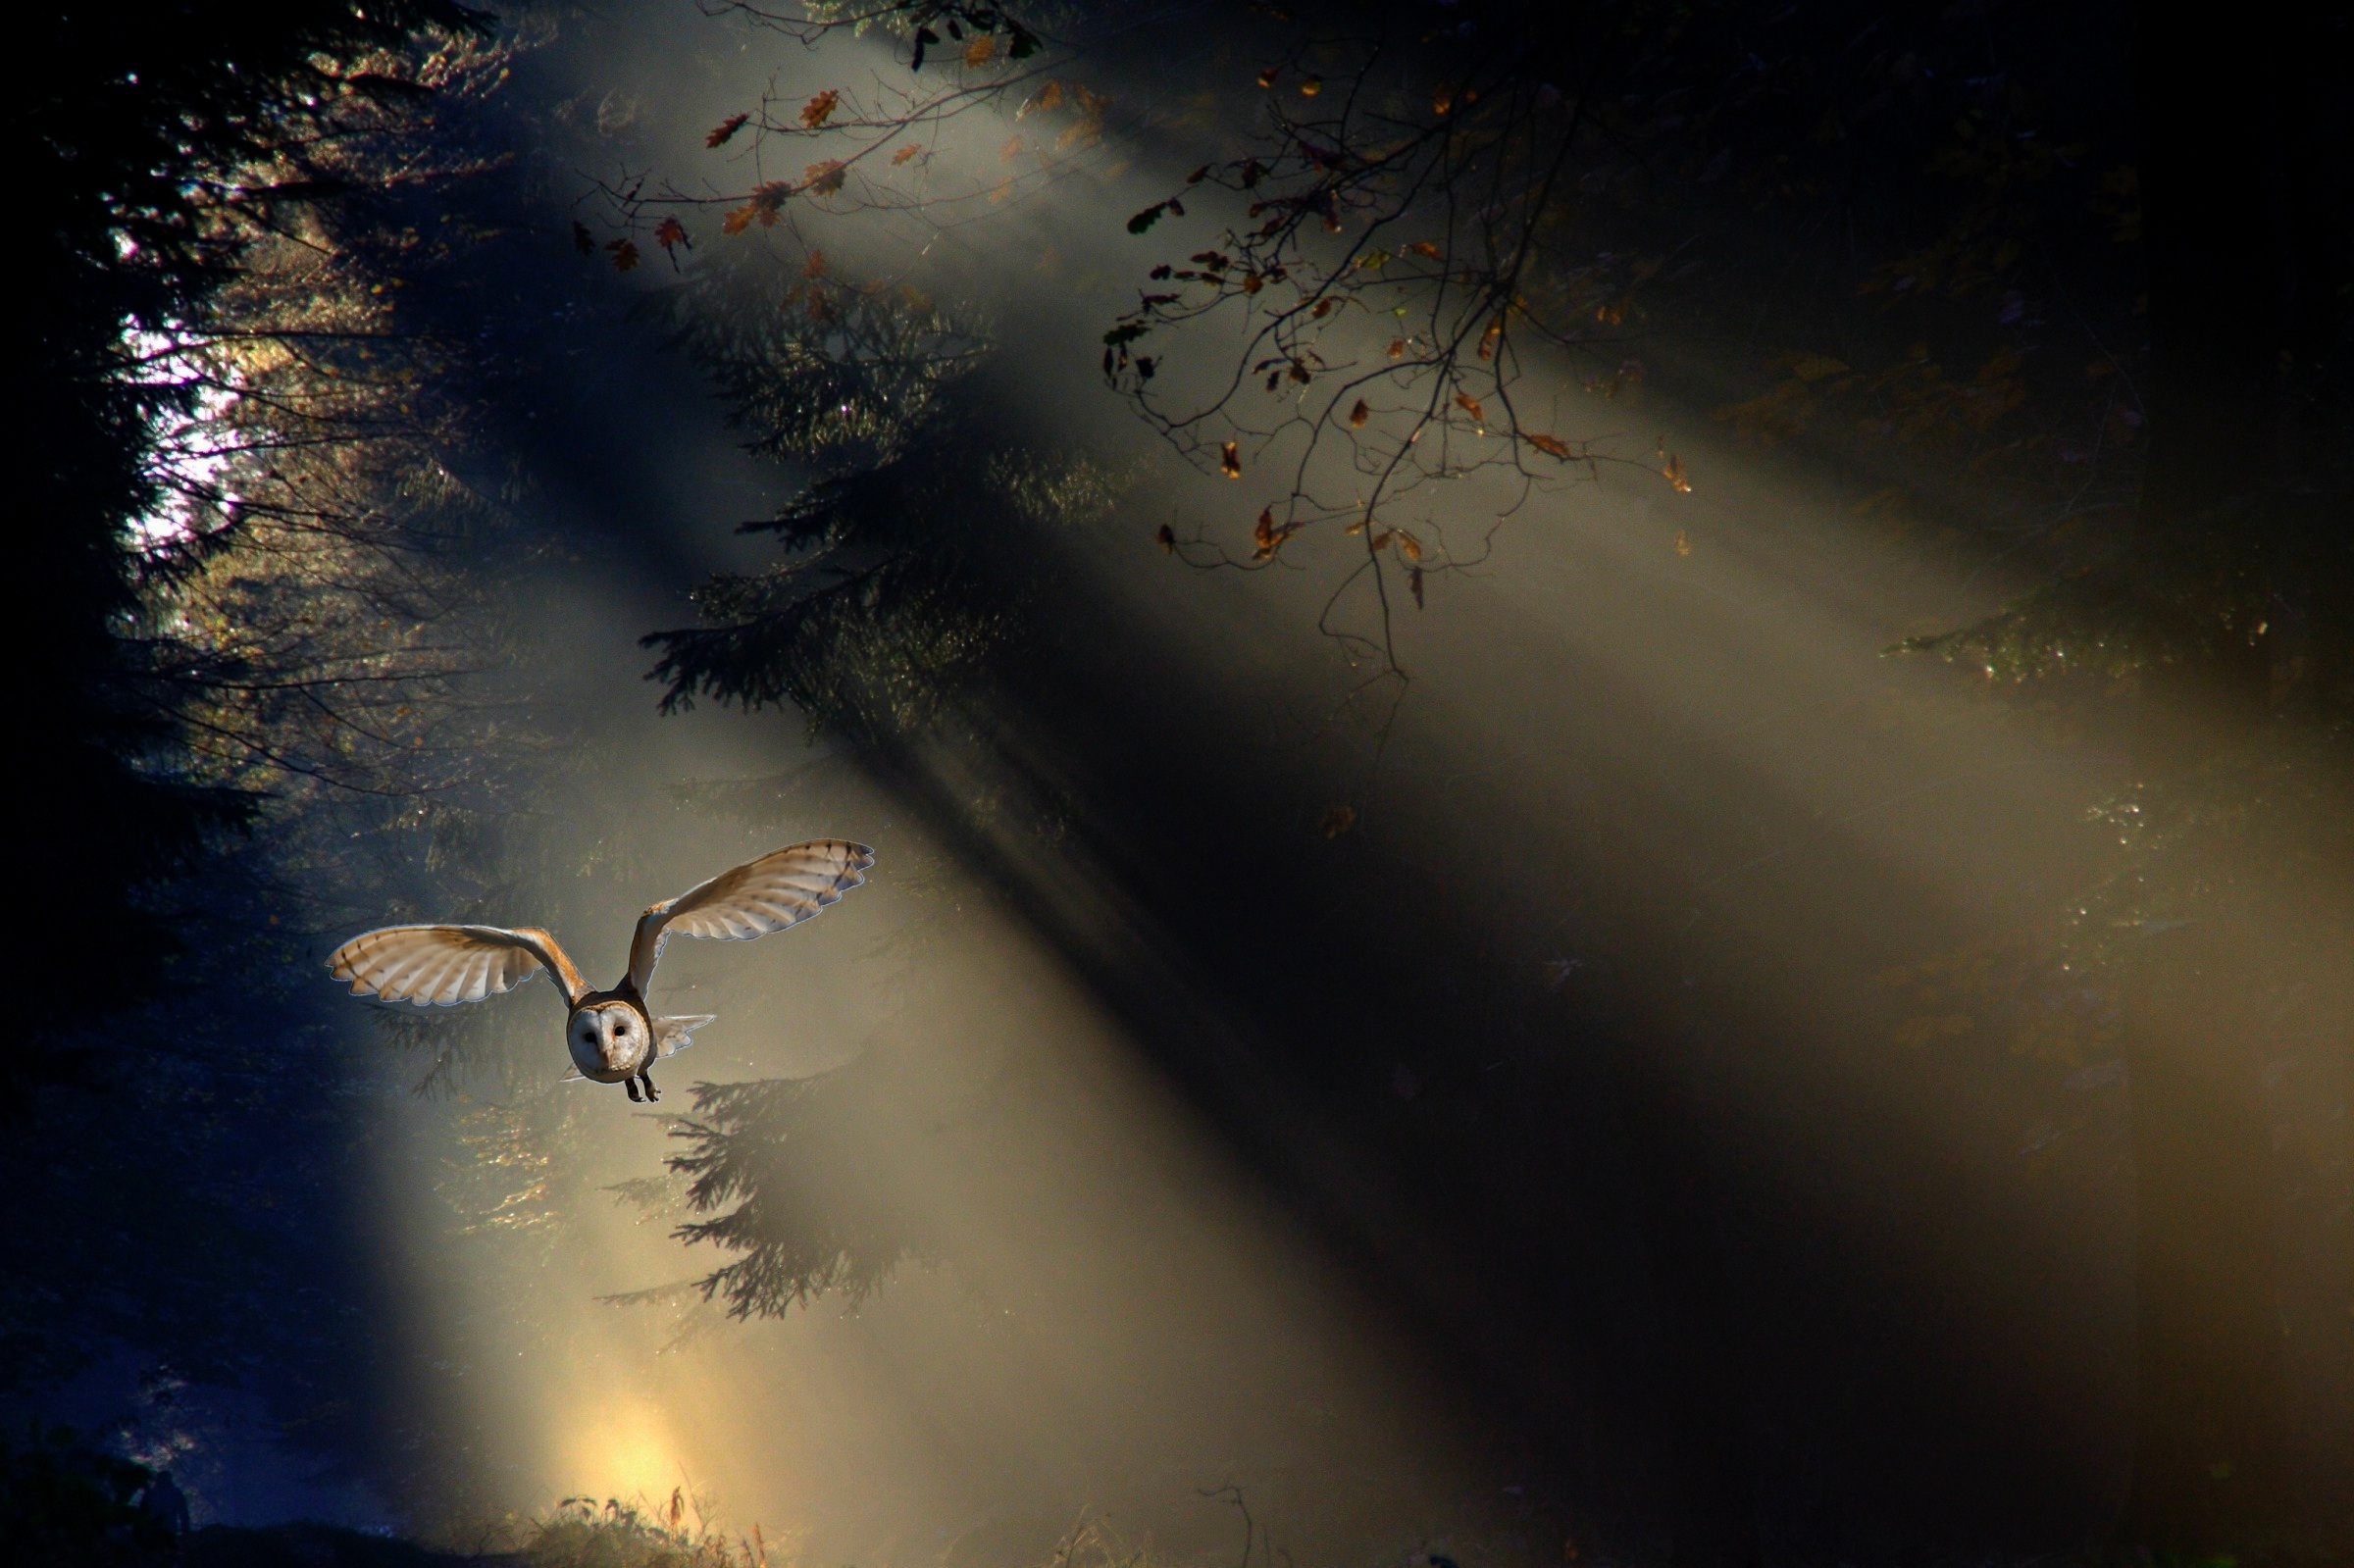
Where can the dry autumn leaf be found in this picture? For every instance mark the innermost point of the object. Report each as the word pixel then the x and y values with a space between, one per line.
pixel 1266 78
pixel 1675 475
pixel 816 111
pixel 1550 445
pixel 1230 463
pixel 823 179
pixel 724 129
pixel 1168 540
pixel 904 154
pixel 1309 87
pixel 1683 542
pixel 1470 406
pixel 1397 346
pixel 1359 414
pixel 980 50
pixel 670 233
pixel 1414 583
pixel 1427 250
pixel 624 253
pixel 1408 546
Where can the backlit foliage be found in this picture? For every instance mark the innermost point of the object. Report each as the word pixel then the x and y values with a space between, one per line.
pixel 889 598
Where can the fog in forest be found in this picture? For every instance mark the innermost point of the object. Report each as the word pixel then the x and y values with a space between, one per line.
pixel 1549 1040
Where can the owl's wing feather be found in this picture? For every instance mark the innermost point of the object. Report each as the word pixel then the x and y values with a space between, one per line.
pixel 442 966
pixel 779 889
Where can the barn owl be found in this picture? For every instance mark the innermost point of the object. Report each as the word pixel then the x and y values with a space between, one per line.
pixel 611 1035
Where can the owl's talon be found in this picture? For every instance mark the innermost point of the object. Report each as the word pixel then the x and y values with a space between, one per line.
pixel 652 1092
pixel 631 1085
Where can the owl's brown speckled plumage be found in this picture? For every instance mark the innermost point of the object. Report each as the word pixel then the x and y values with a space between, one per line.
pixel 611 1035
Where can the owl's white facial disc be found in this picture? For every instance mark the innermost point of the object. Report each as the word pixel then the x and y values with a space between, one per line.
pixel 607 1040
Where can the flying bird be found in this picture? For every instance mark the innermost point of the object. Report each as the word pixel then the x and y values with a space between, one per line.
pixel 611 1035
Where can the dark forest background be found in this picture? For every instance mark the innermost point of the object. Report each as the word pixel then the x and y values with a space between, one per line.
pixel 2061 292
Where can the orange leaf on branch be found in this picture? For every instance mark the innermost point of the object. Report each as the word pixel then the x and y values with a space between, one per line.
pixel 1414 581
pixel 624 252
pixel 670 233
pixel 823 179
pixel 905 154
pixel 1230 463
pixel 1675 476
pixel 1408 546
pixel 1166 536
pixel 1359 414
pixel 1470 406
pixel 1427 250
pixel 725 130
pixel 980 50
pixel 1550 445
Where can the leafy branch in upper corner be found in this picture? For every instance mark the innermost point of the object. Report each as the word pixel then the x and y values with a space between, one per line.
pixel 1409 241
pixel 876 150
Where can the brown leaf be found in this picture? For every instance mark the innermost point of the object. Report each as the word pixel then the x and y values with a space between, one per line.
pixel 1309 87
pixel 1414 583
pixel 1487 339
pixel 624 252
pixel 1266 78
pixel 905 154
pixel 737 218
pixel 1550 445
pixel 1675 475
pixel 1229 462
pixel 1011 150
pixel 670 233
pixel 815 112
pixel 1470 406
pixel 814 265
pixel 582 240
pixel 980 50
pixel 1683 542
pixel 1397 346
pixel 1442 101
pixel 1263 536
pixel 1338 821
pixel 725 130
pixel 1359 414
pixel 1408 546
pixel 1427 250
pixel 1167 538
pixel 823 179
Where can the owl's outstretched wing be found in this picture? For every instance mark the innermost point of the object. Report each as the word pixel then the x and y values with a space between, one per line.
pixel 442 966
pixel 779 889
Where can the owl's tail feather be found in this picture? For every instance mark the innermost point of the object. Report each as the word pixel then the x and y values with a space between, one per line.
pixel 675 1035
